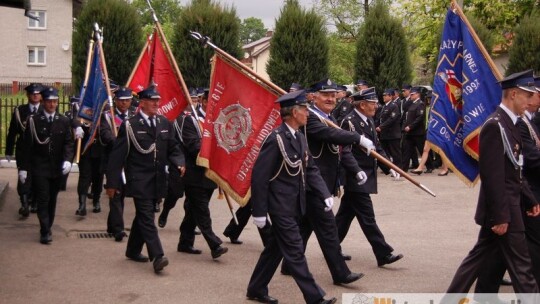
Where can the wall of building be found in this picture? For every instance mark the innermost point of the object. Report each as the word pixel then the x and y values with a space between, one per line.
pixel 56 38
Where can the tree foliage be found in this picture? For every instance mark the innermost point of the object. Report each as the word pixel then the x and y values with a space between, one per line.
pixel 523 52
pixel 299 48
pixel 344 15
pixel 382 56
pixel 211 19
pixel 167 12
pixel 342 53
pixel 122 38
pixel 251 29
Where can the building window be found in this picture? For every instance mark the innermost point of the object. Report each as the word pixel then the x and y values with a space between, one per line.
pixel 35 24
pixel 36 55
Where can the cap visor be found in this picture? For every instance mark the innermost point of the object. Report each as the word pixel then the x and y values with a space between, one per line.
pixel 528 88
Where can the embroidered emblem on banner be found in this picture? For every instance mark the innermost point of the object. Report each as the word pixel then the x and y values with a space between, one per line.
pixel 233 127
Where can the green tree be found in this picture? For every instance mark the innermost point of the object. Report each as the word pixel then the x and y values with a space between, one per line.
pixel 299 48
pixel 342 53
pixel 382 56
pixel 524 50
pixel 344 15
pixel 211 19
pixel 122 38
pixel 251 29
pixel 167 12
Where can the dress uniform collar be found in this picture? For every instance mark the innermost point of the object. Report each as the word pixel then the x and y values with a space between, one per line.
pixel 147 118
pixel 510 113
pixel 364 117
pixel 47 115
pixel 293 131
pixel 528 114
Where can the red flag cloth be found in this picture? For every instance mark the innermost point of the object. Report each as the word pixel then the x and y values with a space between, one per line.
pixel 155 68
pixel 240 114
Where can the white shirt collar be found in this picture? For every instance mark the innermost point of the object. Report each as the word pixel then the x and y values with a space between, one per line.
pixel 364 117
pixel 510 113
pixel 49 115
pixel 528 114
pixel 293 131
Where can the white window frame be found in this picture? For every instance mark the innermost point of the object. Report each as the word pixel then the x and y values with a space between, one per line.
pixel 36 49
pixel 34 24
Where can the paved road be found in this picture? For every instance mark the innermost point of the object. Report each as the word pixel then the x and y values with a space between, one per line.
pixel 434 234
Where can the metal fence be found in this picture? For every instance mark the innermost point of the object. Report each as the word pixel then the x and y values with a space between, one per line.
pixel 17 87
pixel 7 104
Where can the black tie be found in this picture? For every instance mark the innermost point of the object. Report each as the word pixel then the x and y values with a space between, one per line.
pixel 122 116
pixel 50 119
pixel 152 125
pixel 33 110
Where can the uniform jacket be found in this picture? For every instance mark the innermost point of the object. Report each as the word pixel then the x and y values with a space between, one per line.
pixel 277 188
pixel 47 159
pixel 354 122
pixel 191 140
pixel 531 155
pixel 323 142
pixel 15 133
pixel 146 177
pixel 106 135
pixel 415 119
pixel 502 186
pixel 342 109
pixel 390 122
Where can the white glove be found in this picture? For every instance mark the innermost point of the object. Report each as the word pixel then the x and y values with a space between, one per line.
pixel 22 176
pixel 394 174
pixel 66 167
pixel 79 133
pixel 259 221
pixel 329 202
pixel 361 177
pixel 8 158
pixel 366 143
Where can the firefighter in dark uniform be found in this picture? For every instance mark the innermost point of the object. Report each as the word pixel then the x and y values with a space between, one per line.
pixel 198 190
pixel 144 147
pixel 122 110
pixel 505 198
pixel 343 106
pixel 356 201
pixel 405 103
pixel 48 154
pixel 389 127
pixel 14 139
pixel 323 142
pixel 414 129
pixel 280 175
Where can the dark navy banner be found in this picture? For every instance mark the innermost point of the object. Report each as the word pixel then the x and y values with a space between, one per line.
pixel 465 93
pixel 94 96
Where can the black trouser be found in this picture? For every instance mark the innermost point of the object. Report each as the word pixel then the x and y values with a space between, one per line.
pixel 26 187
pixel 197 213
pixel 90 172
pixel 45 191
pixel 515 253
pixel 323 223
pixel 144 230
pixel 393 150
pixel 242 215
pixel 115 219
pixel 359 205
pixel 285 243
pixel 411 146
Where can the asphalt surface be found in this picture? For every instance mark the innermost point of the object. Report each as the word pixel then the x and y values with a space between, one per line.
pixel 434 234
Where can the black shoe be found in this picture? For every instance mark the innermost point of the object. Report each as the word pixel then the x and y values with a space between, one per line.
pixel 346 257
pixel 219 251
pixel 45 238
pixel 418 172
pixel 329 301
pixel 506 282
pixel 233 240
pixel 429 171
pixel 97 206
pixel 162 220
pixel 24 212
pixel 350 278
pixel 138 258
pixel 33 207
pixel 188 249
pixel 160 263
pixel 443 174
pixel 262 299
pixel 82 206
pixel 118 237
pixel 389 259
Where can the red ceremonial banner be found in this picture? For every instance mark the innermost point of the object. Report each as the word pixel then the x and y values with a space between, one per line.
pixel 240 114
pixel 155 67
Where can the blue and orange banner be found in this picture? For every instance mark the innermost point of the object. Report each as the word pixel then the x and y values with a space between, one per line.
pixel 465 92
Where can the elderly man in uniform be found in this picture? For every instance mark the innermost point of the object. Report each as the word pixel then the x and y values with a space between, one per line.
pixel 278 185
pixel 503 194
pixel 14 139
pixel 47 156
pixel 144 147
pixel 323 141
pixel 389 127
pixel 357 200
pixel 122 110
